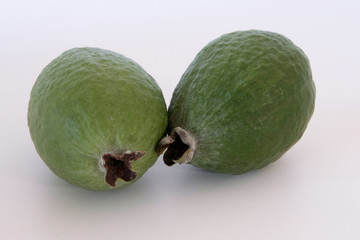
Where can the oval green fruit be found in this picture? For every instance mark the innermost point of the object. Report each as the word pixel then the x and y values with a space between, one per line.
pixel 245 100
pixel 95 118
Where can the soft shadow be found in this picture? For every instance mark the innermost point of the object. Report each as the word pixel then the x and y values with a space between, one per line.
pixel 191 179
pixel 69 199
pixel 161 183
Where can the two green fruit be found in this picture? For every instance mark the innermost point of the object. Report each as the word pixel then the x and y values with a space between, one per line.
pixel 244 101
pixel 96 118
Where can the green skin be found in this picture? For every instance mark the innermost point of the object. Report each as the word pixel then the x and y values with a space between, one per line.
pixel 88 102
pixel 246 99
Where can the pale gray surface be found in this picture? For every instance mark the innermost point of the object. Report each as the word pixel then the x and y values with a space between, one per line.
pixel 313 192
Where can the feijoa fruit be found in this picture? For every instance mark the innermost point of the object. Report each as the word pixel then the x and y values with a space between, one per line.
pixel 95 117
pixel 245 100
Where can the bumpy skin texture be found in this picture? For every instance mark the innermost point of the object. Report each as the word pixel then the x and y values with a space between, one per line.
pixel 88 102
pixel 247 98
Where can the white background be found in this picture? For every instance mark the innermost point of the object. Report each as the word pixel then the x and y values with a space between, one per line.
pixel 312 192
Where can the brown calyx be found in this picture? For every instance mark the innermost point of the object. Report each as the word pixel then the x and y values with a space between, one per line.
pixel 119 166
pixel 179 146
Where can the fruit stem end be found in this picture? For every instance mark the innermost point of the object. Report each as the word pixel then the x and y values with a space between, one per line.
pixel 179 147
pixel 118 165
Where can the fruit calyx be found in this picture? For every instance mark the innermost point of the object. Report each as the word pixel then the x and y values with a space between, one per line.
pixel 119 166
pixel 179 145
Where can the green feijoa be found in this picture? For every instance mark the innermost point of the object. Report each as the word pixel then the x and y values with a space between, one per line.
pixel 244 101
pixel 95 118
